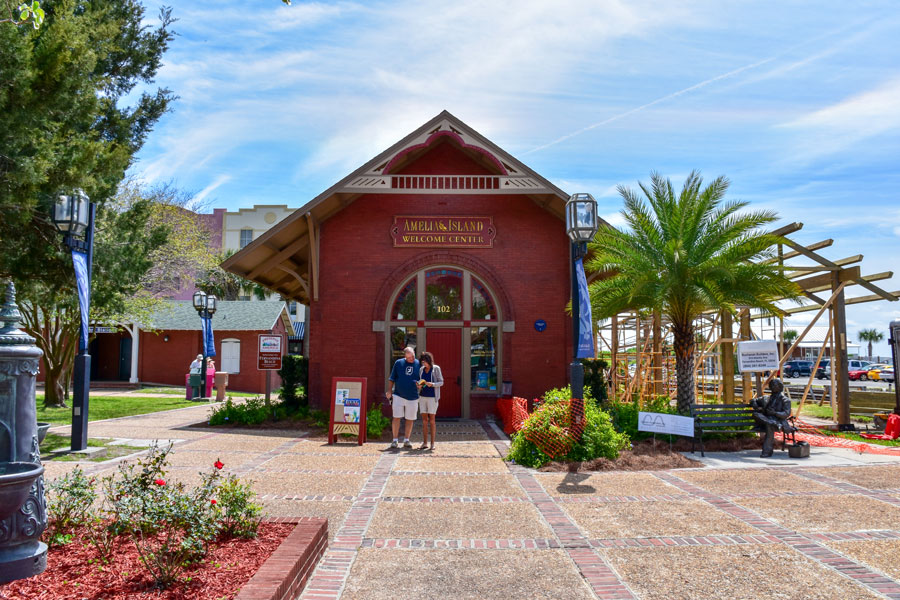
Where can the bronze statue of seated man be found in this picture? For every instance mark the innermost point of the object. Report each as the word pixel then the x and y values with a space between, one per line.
pixel 772 415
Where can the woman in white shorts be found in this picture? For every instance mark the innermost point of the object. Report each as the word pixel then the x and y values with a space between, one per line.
pixel 430 382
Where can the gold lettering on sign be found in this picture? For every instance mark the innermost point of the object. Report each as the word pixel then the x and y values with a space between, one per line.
pixel 453 232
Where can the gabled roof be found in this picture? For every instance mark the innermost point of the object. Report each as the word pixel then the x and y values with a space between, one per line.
pixel 231 315
pixel 282 258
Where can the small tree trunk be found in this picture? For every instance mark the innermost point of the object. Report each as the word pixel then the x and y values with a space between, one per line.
pixel 870 350
pixel 683 345
pixel 54 392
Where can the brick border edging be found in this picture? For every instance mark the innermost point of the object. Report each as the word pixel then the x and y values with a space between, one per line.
pixel 286 571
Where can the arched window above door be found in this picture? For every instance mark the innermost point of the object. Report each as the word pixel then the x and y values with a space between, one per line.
pixel 441 294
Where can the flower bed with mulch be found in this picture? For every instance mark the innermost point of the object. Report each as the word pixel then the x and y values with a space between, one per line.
pixel 75 572
pixel 650 455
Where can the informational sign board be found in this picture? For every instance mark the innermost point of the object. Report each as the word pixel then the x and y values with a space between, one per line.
pixel 666 423
pixel 271 348
pixel 348 408
pixel 757 356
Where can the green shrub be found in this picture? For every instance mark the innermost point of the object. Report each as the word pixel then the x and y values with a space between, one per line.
pixel 70 499
pixel 376 422
pixel 294 374
pixel 320 418
pixel 252 411
pixel 599 438
pixel 625 415
pixel 240 514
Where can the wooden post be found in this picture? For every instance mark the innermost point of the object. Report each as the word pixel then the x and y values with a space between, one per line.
pixel 840 364
pixel 657 354
pixel 614 356
pixel 746 383
pixel 727 350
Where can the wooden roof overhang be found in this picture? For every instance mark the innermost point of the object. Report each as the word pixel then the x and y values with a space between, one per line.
pixel 285 259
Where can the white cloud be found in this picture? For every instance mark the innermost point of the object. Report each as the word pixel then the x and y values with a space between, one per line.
pixel 220 180
pixel 845 123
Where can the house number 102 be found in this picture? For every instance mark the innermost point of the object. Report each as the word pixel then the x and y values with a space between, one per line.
pixel 443 309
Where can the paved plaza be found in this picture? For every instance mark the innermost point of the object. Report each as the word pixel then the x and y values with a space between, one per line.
pixel 462 523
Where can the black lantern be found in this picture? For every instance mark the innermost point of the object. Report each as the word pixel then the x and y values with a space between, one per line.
pixel 71 213
pixel 581 217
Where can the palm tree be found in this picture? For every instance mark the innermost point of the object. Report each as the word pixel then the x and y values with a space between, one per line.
pixel 788 338
pixel 684 255
pixel 871 336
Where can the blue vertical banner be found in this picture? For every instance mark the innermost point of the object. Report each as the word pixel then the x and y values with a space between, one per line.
pixel 209 345
pixel 84 295
pixel 585 323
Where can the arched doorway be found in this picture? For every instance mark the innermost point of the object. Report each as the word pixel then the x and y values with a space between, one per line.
pixel 450 312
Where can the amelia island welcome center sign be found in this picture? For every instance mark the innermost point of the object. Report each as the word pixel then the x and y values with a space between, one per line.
pixel 443 232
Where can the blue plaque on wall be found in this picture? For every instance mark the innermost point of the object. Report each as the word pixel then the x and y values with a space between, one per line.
pixel 540 325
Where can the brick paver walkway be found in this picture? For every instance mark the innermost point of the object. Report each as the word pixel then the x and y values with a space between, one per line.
pixel 462 523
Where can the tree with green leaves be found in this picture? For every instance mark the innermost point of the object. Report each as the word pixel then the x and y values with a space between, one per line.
pixel 871 336
pixel 228 286
pixel 685 254
pixel 788 338
pixel 70 118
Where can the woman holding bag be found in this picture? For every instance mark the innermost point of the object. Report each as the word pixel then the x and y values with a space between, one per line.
pixel 430 382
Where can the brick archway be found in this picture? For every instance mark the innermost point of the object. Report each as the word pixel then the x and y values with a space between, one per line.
pixel 421 261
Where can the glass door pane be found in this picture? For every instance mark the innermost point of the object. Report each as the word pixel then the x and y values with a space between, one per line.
pixel 484 359
pixel 443 295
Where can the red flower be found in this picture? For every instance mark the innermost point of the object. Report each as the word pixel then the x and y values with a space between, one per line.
pixel 160 482
pixel 213 501
pixel 218 464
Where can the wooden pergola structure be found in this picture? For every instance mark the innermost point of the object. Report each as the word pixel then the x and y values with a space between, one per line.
pixel 644 338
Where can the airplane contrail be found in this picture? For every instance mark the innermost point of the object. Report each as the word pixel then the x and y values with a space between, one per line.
pixel 654 102
pixel 693 87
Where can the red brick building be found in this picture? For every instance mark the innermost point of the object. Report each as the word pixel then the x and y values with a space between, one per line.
pixel 172 340
pixel 444 242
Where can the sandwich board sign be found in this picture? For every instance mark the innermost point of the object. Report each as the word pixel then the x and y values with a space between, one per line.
pixel 348 404
pixel 270 351
pixel 666 423
pixel 757 356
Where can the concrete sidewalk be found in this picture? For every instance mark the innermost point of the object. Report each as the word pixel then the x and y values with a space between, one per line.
pixel 463 523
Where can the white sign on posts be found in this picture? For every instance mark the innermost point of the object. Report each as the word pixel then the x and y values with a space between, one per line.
pixel 666 423
pixel 757 356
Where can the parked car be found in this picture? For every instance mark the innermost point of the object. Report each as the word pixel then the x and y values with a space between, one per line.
pixel 797 368
pixel 823 371
pixel 875 372
pixel 887 374
pixel 858 374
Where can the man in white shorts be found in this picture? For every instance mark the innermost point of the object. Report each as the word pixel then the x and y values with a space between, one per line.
pixel 404 395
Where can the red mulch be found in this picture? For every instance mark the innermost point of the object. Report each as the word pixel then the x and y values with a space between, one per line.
pixel 70 576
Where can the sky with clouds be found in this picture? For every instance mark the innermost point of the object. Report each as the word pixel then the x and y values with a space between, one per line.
pixel 797 103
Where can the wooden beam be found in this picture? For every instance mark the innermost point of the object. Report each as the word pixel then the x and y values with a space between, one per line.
pixel 814 246
pixel 799 271
pixel 313 254
pixel 840 364
pixel 279 256
pixel 746 334
pixel 788 229
pixel 296 276
pixel 727 358
pixel 822 260
pixel 823 281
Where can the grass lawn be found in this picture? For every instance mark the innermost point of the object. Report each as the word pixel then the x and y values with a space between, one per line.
pixel 179 391
pixel 824 412
pixel 104 407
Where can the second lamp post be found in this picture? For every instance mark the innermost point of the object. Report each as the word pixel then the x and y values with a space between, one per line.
pixel 581 225
pixel 205 304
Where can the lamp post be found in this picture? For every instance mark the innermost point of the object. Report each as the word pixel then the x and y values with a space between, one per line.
pixel 894 339
pixel 205 304
pixel 73 215
pixel 581 225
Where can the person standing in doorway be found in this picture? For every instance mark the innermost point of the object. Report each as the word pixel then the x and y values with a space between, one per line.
pixel 430 382
pixel 404 394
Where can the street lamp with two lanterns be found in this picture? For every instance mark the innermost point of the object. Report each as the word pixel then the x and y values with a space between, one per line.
pixel 205 305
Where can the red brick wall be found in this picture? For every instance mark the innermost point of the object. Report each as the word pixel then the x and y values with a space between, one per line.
pixel 167 362
pixel 529 262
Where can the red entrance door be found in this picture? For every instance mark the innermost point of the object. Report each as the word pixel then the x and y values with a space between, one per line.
pixel 444 345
